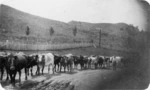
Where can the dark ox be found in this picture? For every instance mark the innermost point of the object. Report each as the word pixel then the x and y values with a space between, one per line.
pixel 63 63
pixel 3 61
pixel 15 64
pixel 69 59
pixel 32 61
pixel 66 61
pixel 57 60
pixel 100 61
pixel 76 61
pixel 83 61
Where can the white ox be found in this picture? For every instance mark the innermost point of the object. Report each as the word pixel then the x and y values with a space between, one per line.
pixel 4 54
pixel 20 53
pixel 94 60
pixel 69 55
pixel 47 61
pixel 116 61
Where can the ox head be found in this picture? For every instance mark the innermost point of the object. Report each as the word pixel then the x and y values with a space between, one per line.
pixel 11 61
pixel 63 59
pixel 36 57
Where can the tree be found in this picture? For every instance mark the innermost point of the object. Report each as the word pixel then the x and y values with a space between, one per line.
pixel 51 31
pixel 75 31
pixel 27 31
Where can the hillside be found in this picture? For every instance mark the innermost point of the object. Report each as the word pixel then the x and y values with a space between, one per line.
pixel 13 24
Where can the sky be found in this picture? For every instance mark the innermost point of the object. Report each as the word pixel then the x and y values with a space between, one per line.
pixel 93 11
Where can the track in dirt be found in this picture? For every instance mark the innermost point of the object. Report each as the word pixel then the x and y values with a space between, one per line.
pixel 79 80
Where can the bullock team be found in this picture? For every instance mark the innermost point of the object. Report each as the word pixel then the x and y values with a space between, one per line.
pixel 15 62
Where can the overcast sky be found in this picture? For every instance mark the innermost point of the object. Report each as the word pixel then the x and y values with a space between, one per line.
pixel 94 11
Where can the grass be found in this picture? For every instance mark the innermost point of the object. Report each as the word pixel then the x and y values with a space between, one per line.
pixel 40 46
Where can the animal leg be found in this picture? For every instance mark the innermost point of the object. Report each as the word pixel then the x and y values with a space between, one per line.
pixel 11 78
pixel 7 78
pixel 2 72
pixel 36 71
pixel 81 66
pixel 14 77
pixel 31 71
pixel 48 68
pixel 42 69
pixel 39 71
pixel 26 73
pixel 20 76
pixel 58 67
pixel 53 68
pixel 70 67
pixel 64 68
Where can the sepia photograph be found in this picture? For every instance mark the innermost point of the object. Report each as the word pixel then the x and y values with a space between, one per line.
pixel 74 44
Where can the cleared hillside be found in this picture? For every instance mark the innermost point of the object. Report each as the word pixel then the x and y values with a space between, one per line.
pixel 13 25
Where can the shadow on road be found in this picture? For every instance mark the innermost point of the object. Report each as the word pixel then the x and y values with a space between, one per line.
pixel 28 84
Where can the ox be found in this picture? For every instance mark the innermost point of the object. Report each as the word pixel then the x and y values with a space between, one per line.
pixel 82 61
pixel 86 61
pixel 69 58
pixel 32 61
pixel 3 61
pixel 45 60
pixel 100 61
pixel 57 59
pixel 94 61
pixel 76 61
pixel 116 62
pixel 16 63
pixel 63 63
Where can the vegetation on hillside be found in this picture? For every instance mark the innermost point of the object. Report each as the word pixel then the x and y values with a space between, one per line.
pixel 40 30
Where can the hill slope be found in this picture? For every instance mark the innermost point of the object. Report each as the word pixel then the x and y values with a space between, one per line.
pixel 13 24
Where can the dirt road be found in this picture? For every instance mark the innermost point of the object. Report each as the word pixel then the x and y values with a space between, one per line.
pixel 78 80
